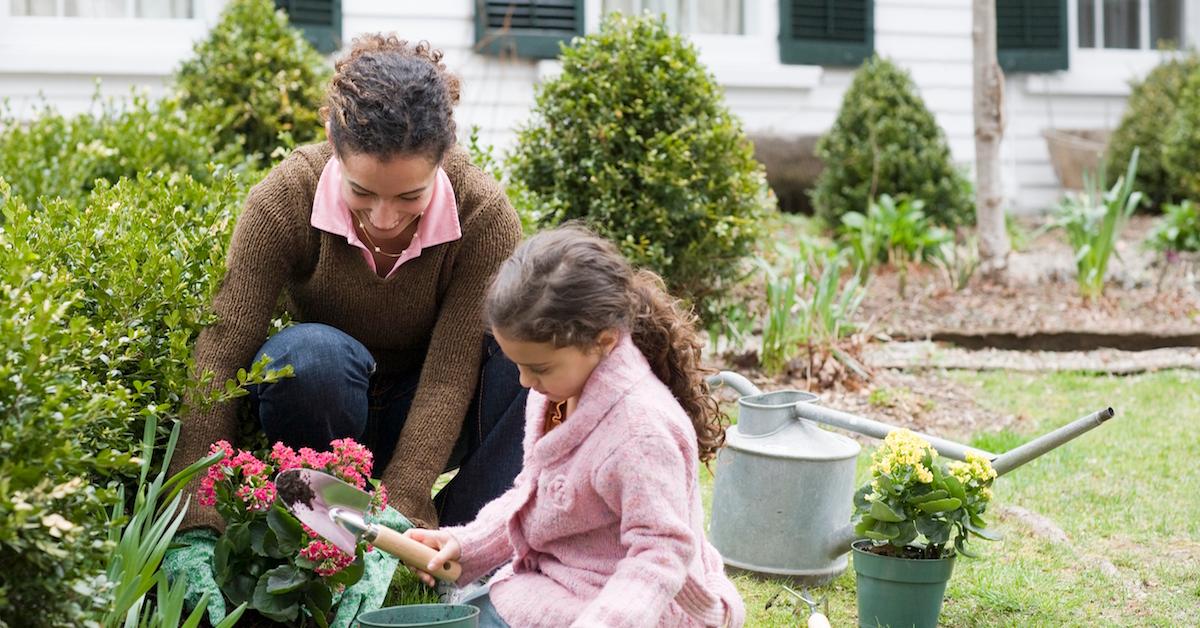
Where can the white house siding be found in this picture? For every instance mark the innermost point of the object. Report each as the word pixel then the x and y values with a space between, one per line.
pixel 60 59
pixel 57 61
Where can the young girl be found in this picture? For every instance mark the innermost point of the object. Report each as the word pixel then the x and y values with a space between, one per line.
pixel 603 525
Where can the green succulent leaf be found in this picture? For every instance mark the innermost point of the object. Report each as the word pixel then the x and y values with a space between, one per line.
pixel 940 505
pixel 881 512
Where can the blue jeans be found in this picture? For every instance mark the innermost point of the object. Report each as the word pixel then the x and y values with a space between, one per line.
pixel 337 393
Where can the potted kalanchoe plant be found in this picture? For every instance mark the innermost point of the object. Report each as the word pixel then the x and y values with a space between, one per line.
pixel 265 557
pixel 913 517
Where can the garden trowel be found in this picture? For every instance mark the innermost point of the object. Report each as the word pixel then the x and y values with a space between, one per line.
pixel 335 510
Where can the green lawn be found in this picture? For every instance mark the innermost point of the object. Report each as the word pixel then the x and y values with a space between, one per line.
pixel 1126 494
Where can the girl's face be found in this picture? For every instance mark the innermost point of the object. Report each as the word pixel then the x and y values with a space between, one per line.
pixel 559 373
pixel 387 196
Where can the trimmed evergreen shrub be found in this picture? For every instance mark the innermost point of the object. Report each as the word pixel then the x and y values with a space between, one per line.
pixel 54 156
pixel 886 141
pixel 255 81
pixel 1181 143
pixel 633 138
pixel 1146 124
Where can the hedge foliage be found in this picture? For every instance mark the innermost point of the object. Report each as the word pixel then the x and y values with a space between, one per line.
pixel 1152 106
pixel 886 141
pixel 55 156
pixel 112 243
pixel 633 138
pixel 100 306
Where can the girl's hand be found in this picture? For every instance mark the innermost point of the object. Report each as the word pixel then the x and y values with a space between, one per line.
pixel 444 542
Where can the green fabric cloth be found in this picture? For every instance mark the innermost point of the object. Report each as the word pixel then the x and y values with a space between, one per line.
pixel 193 563
pixel 369 592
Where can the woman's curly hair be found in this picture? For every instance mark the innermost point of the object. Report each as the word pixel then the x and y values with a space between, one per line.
pixel 566 285
pixel 389 97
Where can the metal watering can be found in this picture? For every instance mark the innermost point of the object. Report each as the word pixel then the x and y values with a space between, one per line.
pixel 784 488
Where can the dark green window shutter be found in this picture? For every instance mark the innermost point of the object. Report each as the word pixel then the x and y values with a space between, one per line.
pixel 321 21
pixel 826 32
pixel 1031 35
pixel 530 28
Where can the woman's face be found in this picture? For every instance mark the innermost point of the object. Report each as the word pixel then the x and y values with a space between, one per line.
pixel 387 196
pixel 559 373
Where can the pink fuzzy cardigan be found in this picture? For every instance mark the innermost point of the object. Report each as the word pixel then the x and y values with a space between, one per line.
pixel 604 526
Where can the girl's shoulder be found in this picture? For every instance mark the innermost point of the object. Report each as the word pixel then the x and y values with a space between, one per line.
pixel 649 411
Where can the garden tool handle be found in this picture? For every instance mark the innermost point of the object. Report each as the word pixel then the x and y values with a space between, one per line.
pixel 818 620
pixel 412 553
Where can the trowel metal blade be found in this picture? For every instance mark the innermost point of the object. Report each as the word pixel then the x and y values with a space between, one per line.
pixel 328 492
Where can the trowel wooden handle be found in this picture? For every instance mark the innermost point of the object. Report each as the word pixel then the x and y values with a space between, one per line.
pixel 818 620
pixel 412 553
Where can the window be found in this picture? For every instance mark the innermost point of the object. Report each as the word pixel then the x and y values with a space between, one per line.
pixel 526 28
pixel 1130 24
pixel 159 9
pixel 826 32
pixel 719 17
pixel 1031 35
pixel 319 20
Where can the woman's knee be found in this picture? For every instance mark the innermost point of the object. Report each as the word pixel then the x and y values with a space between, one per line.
pixel 330 377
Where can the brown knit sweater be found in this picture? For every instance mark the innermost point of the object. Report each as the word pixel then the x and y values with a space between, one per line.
pixel 428 312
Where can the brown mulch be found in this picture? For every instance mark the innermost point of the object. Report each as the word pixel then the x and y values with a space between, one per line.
pixel 1144 296
pixel 1147 304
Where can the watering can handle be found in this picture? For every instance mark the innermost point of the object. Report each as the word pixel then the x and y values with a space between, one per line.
pixel 413 553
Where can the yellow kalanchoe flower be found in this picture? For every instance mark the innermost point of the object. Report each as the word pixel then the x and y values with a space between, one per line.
pixel 975 468
pixel 902 448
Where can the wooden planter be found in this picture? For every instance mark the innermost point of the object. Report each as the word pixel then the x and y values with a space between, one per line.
pixel 1074 152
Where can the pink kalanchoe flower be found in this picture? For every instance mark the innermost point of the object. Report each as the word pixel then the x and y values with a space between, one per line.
pixel 328 558
pixel 285 457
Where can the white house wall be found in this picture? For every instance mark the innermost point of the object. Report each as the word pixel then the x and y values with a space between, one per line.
pixel 929 38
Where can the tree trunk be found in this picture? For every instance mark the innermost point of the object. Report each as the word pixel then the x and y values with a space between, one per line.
pixel 989 129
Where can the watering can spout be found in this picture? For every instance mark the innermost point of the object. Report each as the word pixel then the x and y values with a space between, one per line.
pixel 1012 459
pixel 840 541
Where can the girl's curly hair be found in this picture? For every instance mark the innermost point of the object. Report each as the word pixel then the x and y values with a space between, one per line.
pixel 389 97
pixel 566 285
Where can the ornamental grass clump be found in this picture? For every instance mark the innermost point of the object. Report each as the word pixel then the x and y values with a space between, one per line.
pixel 918 505
pixel 265 557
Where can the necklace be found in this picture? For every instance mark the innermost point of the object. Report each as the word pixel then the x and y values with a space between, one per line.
pixel 555 417
pixel 363 228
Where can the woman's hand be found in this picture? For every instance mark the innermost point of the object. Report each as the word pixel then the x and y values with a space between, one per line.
pixel 444 542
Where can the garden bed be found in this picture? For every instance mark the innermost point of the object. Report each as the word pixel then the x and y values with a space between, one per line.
pixel 1146 305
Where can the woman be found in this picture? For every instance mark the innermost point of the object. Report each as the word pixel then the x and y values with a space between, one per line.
pixel 380 243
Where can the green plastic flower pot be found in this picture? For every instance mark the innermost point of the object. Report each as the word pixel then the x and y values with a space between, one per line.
pixel 899 592
pixel 422 615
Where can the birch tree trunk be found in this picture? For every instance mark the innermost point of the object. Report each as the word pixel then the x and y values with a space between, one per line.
pixel 989 129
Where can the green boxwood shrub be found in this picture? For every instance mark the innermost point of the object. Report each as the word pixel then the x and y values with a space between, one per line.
pixel 99 308
pixel 886 141
pixel 633 138
pixel 1146 124
pixel 55 156
pixel 255 81
pixel 1181 148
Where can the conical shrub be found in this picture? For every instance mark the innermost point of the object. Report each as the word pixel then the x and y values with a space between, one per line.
pixel 886 141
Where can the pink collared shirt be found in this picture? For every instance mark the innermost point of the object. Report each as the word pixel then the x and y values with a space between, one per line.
pixel 438 225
